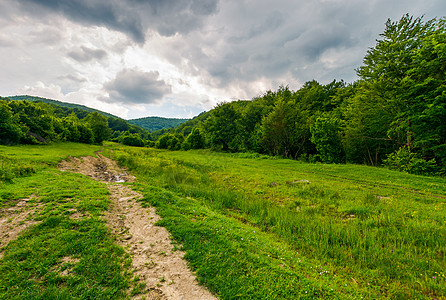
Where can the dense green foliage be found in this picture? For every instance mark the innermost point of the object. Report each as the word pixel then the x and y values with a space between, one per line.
pixel 399 102
pixel 259 227
pixel 156 123
pixel 63 108
pixel 131 139
pixel 195 140
pixel 32 122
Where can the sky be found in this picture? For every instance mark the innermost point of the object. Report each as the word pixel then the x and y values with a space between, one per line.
pixel 177 58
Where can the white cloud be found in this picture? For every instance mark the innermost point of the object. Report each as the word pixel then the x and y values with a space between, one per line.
pixel 50 91
pixel 90 97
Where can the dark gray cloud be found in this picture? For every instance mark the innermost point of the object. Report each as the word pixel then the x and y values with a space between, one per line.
pixel 137 87
pixel 85 54
pixel 315 41
pixel 76 78
pixel 297 40
pixel 111 14
pixel 206 49
pixel 132 17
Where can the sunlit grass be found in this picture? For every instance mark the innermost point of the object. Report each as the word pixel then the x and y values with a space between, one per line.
pixel 49 154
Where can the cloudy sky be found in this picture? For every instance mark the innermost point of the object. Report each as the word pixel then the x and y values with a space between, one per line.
pixel 176 58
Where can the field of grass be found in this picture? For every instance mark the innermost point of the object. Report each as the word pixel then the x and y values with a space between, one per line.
pixel 59 257
pixel 253 227
pixel 256 227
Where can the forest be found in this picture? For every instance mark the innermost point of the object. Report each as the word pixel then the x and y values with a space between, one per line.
pixel 393 115
pixel 45 121
pixel 156 123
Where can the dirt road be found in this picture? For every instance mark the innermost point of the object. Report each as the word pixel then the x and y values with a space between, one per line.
pixel 154 258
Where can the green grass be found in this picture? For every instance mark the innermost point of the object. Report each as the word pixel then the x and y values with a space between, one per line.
pixel 60 257
pixel 47 154
pixel 252 226
pixel 378 233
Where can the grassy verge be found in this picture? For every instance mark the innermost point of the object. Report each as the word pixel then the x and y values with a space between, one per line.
pixel 69 253
pixel 272 228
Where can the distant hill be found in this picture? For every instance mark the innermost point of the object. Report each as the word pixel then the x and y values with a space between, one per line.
pixel 156 123
pixel 60 103
pixel 63 109
pixel 185 127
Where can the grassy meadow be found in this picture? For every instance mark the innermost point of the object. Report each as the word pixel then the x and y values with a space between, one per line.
pixel 252 226
pixel 59 257
pixel 256 227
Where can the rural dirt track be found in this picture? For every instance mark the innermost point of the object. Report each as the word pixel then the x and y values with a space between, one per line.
pixel 154 259
pixel 15 219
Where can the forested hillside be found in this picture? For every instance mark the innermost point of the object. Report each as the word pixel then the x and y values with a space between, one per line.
pixel 26 122
pixel 60 107
pixel 394 114
pixel 156 123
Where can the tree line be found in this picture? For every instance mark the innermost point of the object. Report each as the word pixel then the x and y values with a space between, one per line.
pixel 26 122
pixel 156 123
pixel 394 114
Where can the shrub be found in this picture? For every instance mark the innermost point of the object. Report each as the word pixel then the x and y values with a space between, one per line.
pixel 131 139
pixel 411 162
pixel 10 169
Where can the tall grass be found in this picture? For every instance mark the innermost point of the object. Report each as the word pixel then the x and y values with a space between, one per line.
pixel 11 168
pixel 69 253
pixel 384 230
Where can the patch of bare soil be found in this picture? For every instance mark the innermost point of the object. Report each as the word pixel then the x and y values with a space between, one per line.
pixel 99 168
pixel 154 258
pixel 15 219
pixel 66 265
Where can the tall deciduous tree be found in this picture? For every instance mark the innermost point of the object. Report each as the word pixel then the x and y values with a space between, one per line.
pixel 10 132
pixel 223 127
pixel 285 130
pixel 195 140
pixel 407 68
pixel 99 125
pixel 325 134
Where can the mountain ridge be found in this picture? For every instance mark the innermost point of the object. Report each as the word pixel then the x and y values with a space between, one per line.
pixel 152 123
pixel 157 123
pixel 60 103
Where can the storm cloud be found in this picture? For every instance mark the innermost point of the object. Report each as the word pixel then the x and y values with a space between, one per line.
pixel 139 56
pixel 132 17
pixel 136 87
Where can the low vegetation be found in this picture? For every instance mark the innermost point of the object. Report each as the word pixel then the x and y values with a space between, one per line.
pixel 259 227
pixel 252 226
pixel 68 253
